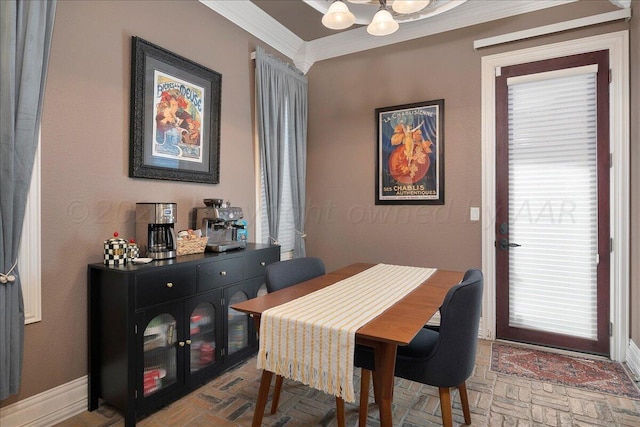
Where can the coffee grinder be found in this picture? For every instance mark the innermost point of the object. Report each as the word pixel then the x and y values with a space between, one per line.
pixel 155 232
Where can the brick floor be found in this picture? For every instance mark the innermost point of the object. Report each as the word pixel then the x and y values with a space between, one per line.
pixel 495 400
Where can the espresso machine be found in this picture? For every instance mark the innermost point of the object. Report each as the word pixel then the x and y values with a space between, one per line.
pixel 155 232
pixel 218 222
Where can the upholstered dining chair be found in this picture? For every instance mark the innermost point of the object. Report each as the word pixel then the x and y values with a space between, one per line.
pixel 280 275
pixel 443 358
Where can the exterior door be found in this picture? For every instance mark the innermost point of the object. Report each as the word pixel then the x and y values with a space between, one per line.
pixel 552 203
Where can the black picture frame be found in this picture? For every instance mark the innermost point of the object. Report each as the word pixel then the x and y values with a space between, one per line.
pixel 410 154
pixel 175 117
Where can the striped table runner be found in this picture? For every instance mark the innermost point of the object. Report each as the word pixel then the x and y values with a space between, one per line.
pixel 312 339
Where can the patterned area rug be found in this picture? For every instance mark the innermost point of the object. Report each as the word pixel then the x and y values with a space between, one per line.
pixel 595 375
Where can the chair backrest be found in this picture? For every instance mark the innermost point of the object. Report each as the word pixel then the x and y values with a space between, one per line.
pixel 282 274
pixel 453 357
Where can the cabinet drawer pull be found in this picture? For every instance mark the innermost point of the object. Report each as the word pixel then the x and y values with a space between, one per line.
pixel 223 273
pixel 169 285
pixel 188 342
pixel 263 263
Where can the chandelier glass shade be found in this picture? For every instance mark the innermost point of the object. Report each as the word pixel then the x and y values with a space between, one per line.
pixel 338 16
pixel 382 23
pixel 409 6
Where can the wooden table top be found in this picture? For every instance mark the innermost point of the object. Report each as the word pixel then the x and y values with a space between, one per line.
pixel 398 324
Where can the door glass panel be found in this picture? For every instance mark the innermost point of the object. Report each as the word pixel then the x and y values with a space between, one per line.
pixel 238 326
pixel 202 329
pixel 159 353
pixel 553 213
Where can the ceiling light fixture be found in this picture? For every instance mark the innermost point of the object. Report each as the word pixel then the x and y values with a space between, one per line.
pixel 338 16
pixel 409 6
pixel 383 23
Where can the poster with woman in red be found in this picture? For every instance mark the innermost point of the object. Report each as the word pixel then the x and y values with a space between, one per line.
pixel 410 157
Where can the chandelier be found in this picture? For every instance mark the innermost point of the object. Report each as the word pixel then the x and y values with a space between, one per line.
pixel 338 16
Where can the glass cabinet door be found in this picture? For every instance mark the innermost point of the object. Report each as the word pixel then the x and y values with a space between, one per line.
pixel 160 356
pixel 238 324
pixel 202 327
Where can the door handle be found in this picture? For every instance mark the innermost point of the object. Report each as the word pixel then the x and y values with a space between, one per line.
pixel 504 244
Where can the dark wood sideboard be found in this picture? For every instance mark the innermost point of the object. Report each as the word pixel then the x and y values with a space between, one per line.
pixel 159 330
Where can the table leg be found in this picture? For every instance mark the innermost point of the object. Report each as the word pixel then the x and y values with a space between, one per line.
pixel 340 411
pixel 276 393
pixel 385 362
pixel 263 395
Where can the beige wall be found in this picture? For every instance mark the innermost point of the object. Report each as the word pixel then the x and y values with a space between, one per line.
pixel 343 95
pixel 87 194
pixel 341 170
pixel 86 191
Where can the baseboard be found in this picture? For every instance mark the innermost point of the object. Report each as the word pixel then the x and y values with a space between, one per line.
pixel 633 359
pixel 49 407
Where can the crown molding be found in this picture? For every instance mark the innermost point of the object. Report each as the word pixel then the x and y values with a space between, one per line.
pixel 467 14
pixel 304 54
pixel 255 21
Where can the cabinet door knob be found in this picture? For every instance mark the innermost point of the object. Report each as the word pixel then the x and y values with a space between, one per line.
pixel 169 285
pixel 263 263
pixel 181 343
pixel 223 273
pixel 188 342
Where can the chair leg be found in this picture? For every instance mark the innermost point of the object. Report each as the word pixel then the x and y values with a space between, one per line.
pixel 464 399
pixel 376 390
pixel 340 411
pixel 365 379
pixel 276 394
pixel 445 406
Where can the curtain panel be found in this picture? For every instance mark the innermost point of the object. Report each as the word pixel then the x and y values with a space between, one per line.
pixel 25 39
pixel 282 105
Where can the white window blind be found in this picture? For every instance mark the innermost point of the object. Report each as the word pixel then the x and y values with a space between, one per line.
pixel 29 253
pixel 553 202
pixel 286 228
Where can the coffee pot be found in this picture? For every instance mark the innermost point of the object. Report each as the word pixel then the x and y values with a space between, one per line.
pixel 155 231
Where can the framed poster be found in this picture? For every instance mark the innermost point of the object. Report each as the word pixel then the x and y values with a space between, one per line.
pixel 410 154
pixel 175 117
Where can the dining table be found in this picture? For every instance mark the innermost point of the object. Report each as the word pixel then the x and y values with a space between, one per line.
pixel 395 326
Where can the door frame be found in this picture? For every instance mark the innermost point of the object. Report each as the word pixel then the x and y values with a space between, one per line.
pixel 618 45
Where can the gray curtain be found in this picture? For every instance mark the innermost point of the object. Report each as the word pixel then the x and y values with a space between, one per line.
pixel 281 96
pixel 25 38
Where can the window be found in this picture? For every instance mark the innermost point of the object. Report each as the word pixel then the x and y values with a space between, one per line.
pixel 29 255
pixel 286 227
pixel 281 126
pixel 553 201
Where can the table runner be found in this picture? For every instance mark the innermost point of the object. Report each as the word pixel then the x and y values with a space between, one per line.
pixel 312 338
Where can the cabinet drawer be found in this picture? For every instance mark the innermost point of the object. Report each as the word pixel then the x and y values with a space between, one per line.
pixel 165 285
pixel 219 273
pixel 256 262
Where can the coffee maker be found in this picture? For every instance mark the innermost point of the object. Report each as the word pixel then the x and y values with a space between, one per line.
pixel 155 232
pixel 219 222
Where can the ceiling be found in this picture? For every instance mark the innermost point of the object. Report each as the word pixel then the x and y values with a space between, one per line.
pixel 293 27
pixel 302 19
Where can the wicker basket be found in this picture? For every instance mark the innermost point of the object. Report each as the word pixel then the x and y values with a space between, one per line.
pixel 192 246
